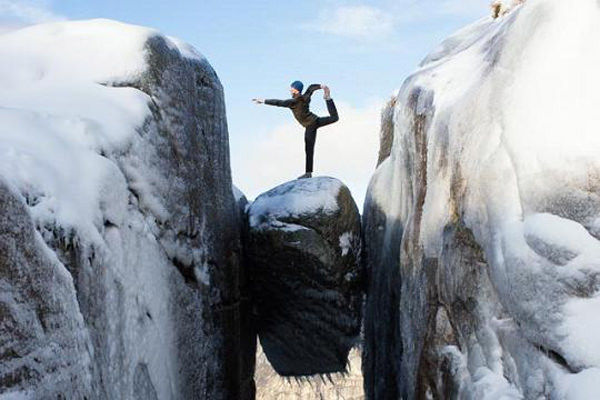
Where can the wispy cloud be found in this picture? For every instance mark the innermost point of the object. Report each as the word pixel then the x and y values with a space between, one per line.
pixel 384 18
pixel 361 21
pixel 27 12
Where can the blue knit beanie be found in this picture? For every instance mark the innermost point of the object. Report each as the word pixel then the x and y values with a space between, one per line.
pixel 297 85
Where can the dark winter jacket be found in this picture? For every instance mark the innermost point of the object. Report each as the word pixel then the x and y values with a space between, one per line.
pixel 299 105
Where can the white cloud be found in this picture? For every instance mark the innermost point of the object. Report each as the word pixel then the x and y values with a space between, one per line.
pixel 28 12
pixel 346 150
pixel 391 17
pixel 354 21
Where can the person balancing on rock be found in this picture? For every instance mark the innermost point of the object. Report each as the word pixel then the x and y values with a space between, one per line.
pixel 299 104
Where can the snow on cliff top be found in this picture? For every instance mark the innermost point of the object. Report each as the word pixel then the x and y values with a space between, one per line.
pixel 93 51
pixel 543 57
pixel 294 199
pixel 522 93
pixel 59 115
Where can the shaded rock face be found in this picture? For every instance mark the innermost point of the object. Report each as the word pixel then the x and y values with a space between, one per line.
pixel 304 253
pixel 248 350
pixel 382 347
pixel 143 301
pixel 481 226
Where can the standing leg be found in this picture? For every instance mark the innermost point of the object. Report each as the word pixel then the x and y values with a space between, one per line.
pixel 310 136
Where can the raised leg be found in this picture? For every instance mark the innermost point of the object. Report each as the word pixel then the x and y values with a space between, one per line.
pixel 333 114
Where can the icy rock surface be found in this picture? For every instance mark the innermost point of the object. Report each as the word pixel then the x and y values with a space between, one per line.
pixel 303 249
pixel 482 233
pixel 119 230
pixel 42 333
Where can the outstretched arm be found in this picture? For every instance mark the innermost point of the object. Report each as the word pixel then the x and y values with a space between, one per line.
pixel 280 103
pixel 273 102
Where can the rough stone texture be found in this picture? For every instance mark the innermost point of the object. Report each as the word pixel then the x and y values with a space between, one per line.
pixel 271 386
pixel 304 253
pixel 188 131
pixel 39 314
pixel 481 226
pixel 147 307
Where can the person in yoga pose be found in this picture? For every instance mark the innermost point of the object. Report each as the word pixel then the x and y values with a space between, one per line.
pixel 300 106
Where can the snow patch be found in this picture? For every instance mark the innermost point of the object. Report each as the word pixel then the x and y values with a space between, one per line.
pixel 581 386
pixel 294 199
pixel 57 121
pixel 202 274
pixel 20 395
pixel 345 242
pixel 185 49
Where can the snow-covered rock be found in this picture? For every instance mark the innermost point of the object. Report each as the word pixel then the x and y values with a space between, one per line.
pixel 120 234
pixel 42 333
pixel 482 232
pixel 304 249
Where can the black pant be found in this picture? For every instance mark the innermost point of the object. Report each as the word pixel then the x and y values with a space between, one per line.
pixel 310 135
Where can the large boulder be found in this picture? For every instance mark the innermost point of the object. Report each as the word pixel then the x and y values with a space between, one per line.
pixel 304 254
pixel 120 233
pixel 482 224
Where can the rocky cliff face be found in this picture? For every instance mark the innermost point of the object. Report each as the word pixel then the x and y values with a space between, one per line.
pixel 303 250
pixel 119 231
pixel 481 226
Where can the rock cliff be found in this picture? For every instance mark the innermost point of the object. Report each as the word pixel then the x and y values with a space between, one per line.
pixel 118 227
pixel 481 226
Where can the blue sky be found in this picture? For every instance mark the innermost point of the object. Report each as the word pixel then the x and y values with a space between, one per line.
pixel 362 49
